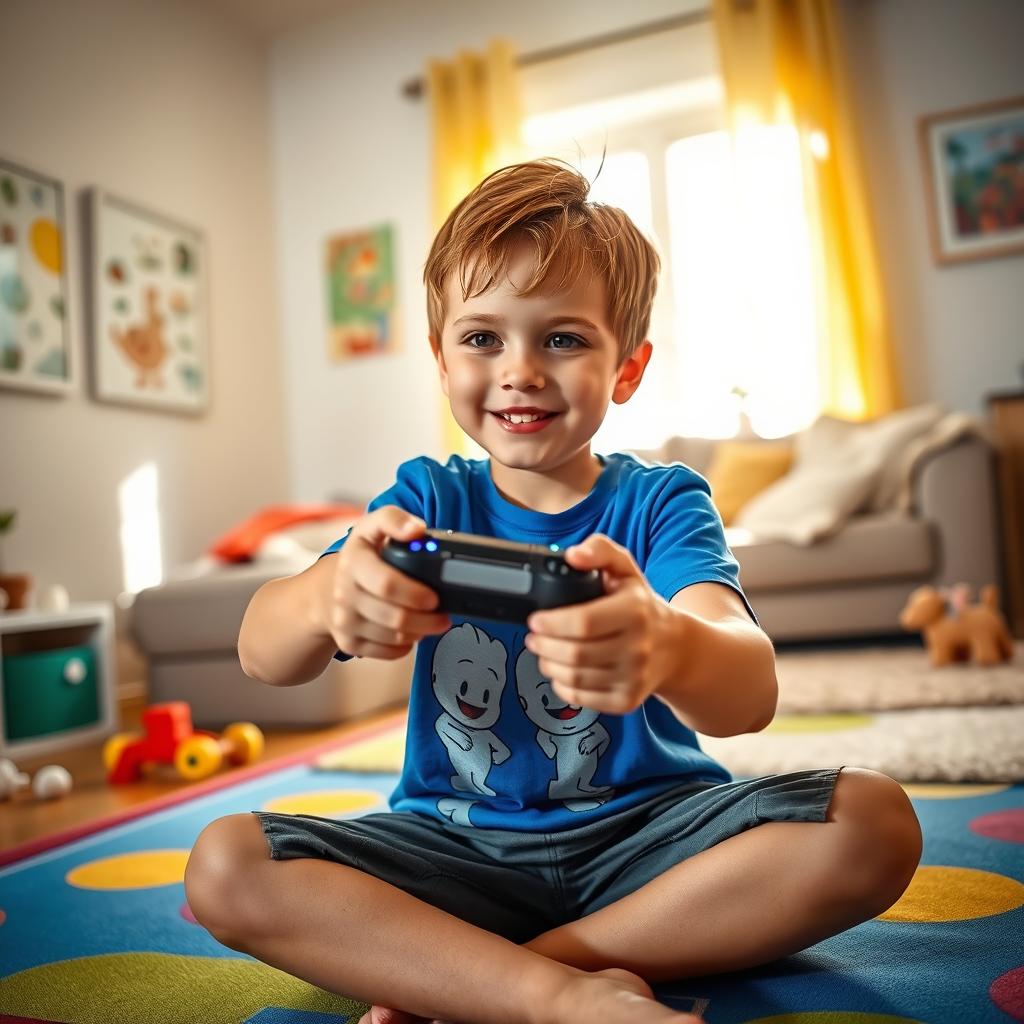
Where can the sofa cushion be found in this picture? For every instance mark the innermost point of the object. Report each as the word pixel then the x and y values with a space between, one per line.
pixel 741 469
pixel 201 613
pixel 870 548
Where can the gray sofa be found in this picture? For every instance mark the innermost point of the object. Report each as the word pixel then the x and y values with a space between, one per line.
pixel 852 584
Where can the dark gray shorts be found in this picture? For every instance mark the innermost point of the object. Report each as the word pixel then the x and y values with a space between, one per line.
pixel 520 884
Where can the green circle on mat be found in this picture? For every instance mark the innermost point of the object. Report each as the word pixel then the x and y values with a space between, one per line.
pixel 819 723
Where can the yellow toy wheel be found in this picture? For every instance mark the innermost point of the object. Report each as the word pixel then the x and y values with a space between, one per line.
pixel 244 741
pixel 113 747
pixel 197 757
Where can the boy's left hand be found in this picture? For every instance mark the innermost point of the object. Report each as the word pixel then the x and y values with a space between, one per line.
pixel 612 653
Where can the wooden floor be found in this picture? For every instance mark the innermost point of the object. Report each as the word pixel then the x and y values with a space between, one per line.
pixel 24 818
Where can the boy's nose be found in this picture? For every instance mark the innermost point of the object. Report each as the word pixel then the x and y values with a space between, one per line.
pixel 521 371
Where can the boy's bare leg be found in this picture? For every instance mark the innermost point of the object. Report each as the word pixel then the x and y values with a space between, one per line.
pixel 763 894
pixel 351 933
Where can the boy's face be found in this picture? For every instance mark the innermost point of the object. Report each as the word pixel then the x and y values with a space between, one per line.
pixel 504 351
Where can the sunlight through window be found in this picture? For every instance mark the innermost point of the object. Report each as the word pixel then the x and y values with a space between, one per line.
pixel 741 277
pixel 141 554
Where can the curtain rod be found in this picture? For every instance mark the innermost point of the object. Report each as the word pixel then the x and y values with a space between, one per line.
pixel 414 88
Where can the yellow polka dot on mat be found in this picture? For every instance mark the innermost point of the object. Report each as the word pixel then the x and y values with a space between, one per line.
pixel 380 754
pixel 833 1017
pixel 955 894
pixel 819 723
pixel 950 790
pixel 141 870
pixel 332 803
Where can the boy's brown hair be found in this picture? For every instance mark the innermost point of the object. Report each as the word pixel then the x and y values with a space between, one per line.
pixel 545 201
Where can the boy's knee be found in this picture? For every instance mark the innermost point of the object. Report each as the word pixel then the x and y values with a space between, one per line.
pixel 219 879
pixel 882 836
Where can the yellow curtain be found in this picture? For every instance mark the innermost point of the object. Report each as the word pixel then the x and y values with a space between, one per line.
pixel 476 116
pixel 782 63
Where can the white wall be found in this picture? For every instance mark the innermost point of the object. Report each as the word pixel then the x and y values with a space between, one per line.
pixel 351 151
pixel 165 103
pixel 958 327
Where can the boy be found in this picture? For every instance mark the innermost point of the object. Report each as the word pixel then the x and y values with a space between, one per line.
pixel 557 840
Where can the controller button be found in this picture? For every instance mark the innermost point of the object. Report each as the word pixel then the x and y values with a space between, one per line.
pixel 552 564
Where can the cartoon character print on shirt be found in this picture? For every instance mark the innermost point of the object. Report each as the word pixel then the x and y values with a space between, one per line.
pixel 571 736
pixel 468 677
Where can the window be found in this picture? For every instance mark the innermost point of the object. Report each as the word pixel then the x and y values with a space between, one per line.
pixel 741 280
pixel 733 324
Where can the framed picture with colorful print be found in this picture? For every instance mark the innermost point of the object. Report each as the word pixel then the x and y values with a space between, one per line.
pixel 974 177
pixel 148 315
pixel 35 343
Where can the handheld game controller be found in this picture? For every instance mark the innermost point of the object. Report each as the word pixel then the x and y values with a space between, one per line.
pixel 486 578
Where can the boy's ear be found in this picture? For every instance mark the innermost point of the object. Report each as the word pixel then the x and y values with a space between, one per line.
pixel 630 373
pixel 435 347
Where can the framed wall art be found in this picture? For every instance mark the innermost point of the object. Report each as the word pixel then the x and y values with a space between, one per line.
pixel 974 176
pixel 360 280
pixel 148 307
pixel 35 341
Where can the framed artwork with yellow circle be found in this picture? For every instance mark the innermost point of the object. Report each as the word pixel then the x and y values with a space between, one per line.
pixel 35 343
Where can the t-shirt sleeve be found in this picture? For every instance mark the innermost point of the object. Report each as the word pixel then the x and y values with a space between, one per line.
pixel 411 491
pixel 687 541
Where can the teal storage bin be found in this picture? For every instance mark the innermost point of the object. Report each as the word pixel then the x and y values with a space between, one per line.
pixel 48 692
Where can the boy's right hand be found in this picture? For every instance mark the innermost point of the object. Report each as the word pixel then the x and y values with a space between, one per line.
pixel 371 609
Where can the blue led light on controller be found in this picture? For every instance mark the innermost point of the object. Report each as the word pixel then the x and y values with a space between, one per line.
pixel 554 547
pixel 415 545
pixel 431 545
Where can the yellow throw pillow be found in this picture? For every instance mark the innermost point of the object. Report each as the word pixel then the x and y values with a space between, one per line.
pixel 741 469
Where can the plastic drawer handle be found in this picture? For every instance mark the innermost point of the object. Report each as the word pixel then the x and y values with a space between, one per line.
pixel 74 671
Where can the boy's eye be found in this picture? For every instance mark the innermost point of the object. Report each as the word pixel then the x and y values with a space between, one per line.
pixel 574 341
pixel 562 342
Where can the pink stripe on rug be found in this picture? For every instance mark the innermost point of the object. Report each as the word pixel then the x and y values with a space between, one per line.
pixel 42 843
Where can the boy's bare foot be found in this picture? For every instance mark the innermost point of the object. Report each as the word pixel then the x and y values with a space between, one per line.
pixel 614 996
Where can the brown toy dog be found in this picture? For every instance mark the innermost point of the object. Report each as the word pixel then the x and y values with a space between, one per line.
pixel 975 633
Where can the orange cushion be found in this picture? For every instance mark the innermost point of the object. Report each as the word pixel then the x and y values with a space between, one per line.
pixel 741 469
pixel 241 542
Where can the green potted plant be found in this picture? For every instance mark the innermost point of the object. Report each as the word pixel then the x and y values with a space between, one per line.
pixel 15 585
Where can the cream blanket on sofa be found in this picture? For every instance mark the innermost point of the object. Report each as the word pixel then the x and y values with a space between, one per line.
pixel 843 467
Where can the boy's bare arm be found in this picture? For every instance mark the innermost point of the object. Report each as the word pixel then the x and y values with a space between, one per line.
pixel 722 679
pixel 350 601
pixel 281 640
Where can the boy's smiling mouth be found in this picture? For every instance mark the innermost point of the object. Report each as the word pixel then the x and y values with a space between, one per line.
pixel 524 419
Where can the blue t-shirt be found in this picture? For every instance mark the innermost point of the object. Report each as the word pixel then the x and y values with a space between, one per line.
pixel 489 742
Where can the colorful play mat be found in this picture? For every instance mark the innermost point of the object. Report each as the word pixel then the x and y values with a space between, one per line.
pixel 95 929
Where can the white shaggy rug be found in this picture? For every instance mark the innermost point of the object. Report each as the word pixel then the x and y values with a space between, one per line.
pixel 880 678
pixel 885 708
pixel 929 745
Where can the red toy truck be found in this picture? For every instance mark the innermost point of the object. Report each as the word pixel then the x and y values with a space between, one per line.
pixel 168 738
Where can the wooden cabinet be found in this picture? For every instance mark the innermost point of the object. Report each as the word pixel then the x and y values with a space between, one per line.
pixel 1007 413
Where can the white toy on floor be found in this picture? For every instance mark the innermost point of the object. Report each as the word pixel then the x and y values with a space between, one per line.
pixel 50 782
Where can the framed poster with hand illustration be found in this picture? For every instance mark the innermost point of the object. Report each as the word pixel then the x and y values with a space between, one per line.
pixel 974 175
pixel 34 338
pixel 149 307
